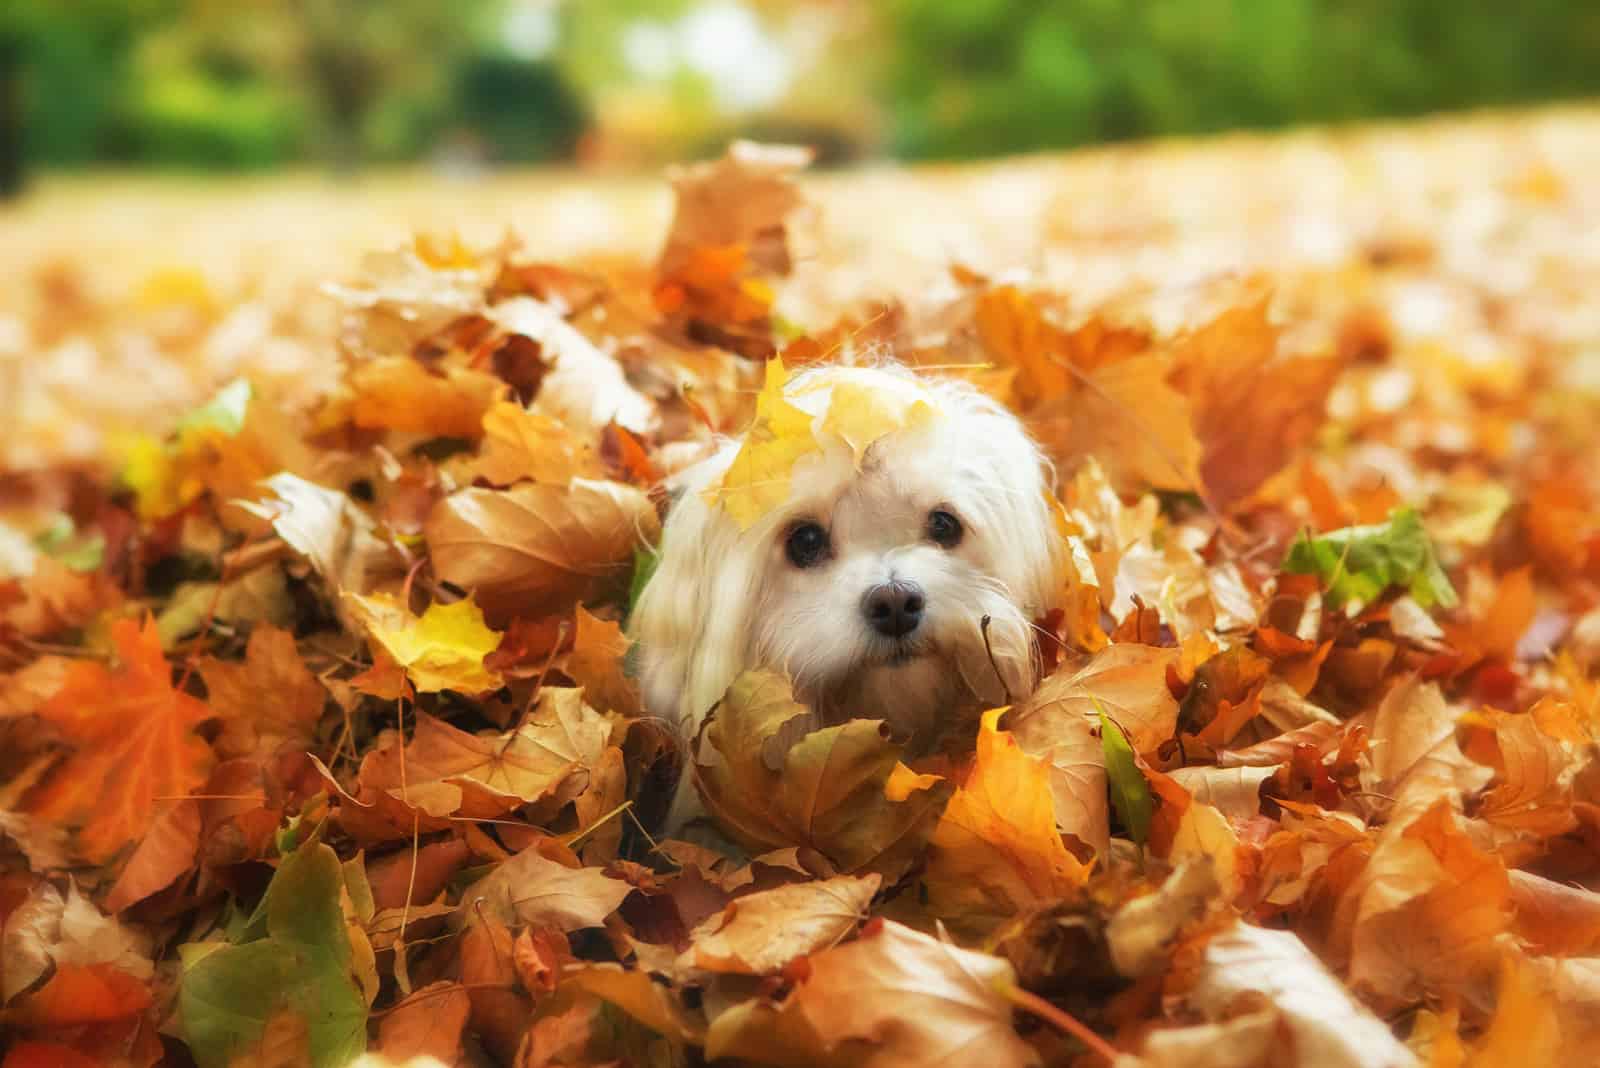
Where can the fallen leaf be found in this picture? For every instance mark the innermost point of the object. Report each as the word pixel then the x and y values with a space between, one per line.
pixel 533 889
pixel 536 546
pixel 325 526
pixel 443 649
pixel 824 789
pixel 135 745
pixel 893 997
pixel 596 663
pixel 518 444
pixel 271 701
pixel 760 933
pixel 400 393
pixel 428 1024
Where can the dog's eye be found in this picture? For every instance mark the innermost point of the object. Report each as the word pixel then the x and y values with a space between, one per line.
pixel 944 529
pixel 807 545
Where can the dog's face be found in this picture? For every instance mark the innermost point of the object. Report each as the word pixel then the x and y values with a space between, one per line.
pixel 897 584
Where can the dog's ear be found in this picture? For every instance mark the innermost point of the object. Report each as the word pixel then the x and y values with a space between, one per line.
pixel 691 621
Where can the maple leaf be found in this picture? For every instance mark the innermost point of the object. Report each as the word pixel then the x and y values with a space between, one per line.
pixel 1251 407
pixel 996 851
pixel 775 783
pixel 742 198
pixel 760 933
pixel 298 959
pixel 758 479
pixel 135 744
pixel 596 663
pixel 893 998
pixel 443 649
pixel 268 702
pixel 1135 424
pixel 519 444
pixel 446 771
pixel 536 547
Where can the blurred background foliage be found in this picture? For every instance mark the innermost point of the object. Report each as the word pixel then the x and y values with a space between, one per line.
pixel 237 84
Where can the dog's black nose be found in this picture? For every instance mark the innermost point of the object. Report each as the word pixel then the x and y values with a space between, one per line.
pixel 894 608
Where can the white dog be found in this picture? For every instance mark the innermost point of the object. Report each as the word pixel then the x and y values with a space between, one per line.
pixel 896 578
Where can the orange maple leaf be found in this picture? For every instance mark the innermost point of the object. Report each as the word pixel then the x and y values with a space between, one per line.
pixel 136 744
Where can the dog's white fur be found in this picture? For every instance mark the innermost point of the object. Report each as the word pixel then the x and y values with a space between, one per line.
pixel 724 600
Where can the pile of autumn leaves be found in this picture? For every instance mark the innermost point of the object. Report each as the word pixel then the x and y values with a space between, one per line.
pixel 319 734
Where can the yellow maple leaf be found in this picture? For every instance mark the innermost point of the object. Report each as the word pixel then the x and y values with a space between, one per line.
pixel 758 480
pixel 443 649
pixel 860 415
pixel 996 851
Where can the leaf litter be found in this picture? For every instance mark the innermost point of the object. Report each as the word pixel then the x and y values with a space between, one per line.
pixel 320 738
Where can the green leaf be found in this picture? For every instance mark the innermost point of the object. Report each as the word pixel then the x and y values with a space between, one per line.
pixel 303 966
pixel 1358 564
pixel 225 411
pixel 1130 793
pixel 61 540
pixel 645 562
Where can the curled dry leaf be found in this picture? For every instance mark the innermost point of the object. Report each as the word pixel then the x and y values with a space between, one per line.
pixel 1318 1020
pixel 584 388
pixel 534 547
pixel 1057 723
pixel 326 527
pixel 825 789
pixel 533 889
pixel 893 998
pixel 760 933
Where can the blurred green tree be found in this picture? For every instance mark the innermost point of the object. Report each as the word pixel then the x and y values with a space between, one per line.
pixel 991 76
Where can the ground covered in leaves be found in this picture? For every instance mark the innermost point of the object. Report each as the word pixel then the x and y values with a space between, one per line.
pixel 318 729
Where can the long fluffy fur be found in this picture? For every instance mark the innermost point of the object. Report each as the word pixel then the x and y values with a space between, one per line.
pixel 724 600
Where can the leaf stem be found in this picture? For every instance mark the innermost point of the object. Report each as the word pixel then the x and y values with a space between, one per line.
pixel 1059 1018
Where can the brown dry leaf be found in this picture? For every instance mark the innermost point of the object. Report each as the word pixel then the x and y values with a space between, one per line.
pixel 400 393
pixel 517 445
pixel 581 386
pixel 135 745
pixel 429 1023
pixel 1532 789
pixel 1554 918
pixel 269 702
pixel 893 998
pixel 531 888
pixel 596 664
pixel 1430 909
pixel 825 789
pixel 325 526
pixel 449 772
pixel 760 933
pixel 744 198
pixel 1320 1023
pixel 1058 723
pixel 1252 408
pixel 536 547
pixel 996 851
pixel 48 929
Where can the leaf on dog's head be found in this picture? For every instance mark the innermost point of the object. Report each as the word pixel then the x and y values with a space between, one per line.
pixel 826 789
pixel 443 649
pixel 758 479
pixel 996 851
pixel 860 415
